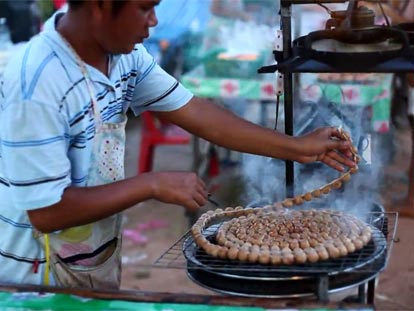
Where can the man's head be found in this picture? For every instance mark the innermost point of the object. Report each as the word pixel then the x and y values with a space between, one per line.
pixel 118 24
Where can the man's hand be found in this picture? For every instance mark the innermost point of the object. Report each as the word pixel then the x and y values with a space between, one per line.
pixel 328 146
pixel 181 188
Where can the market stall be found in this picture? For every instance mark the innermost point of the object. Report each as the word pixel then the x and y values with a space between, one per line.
pixel 253 88
pixel 229 56
pixel 371 91
pixel 375 93
pixel 229 70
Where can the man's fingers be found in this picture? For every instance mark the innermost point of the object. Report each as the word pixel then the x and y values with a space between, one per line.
pixel 201 189
pixel 339 144
pixel 196 200
pixel 201 184
pixel 341 158
pixel 201 199
pixel 337 160
pixel 192 205
pixel 332 163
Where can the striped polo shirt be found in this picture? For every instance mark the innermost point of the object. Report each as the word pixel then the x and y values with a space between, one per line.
pixel 46 132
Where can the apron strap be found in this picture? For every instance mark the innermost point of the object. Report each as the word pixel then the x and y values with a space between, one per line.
pixel 46 280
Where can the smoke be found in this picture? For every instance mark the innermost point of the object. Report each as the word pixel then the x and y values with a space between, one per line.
pixel 265 177
pixel 264 180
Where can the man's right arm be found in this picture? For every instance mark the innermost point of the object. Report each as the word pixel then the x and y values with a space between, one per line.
pixel 83 205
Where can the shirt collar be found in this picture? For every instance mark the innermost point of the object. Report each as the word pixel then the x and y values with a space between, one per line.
pixel 65 53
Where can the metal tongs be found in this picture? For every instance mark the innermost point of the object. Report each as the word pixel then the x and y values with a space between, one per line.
pixel 212 201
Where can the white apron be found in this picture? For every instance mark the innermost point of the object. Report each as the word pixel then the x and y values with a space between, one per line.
pixel 90 255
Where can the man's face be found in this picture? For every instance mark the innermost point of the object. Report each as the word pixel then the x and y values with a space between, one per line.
pixel 118 34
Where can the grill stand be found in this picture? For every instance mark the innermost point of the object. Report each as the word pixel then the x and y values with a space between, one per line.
pixel 319 280
pixel 323 287
pixel 227 279
pixel 366 292
pixel 371 291
pixel 320 290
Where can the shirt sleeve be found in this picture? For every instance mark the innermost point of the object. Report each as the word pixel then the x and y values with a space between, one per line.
pixel 156 90
pixel 34 143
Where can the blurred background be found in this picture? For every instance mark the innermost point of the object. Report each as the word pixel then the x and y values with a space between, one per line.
pixel 214 48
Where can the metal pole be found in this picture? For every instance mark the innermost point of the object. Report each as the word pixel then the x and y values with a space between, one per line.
pixel 371 291
pixel 361 293
pixel 323 288
pixel 288 89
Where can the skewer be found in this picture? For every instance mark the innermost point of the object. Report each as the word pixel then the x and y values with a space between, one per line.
pixel 212 201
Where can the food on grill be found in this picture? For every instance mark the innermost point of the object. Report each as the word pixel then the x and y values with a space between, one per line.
pixel 274 235
pixel 278 236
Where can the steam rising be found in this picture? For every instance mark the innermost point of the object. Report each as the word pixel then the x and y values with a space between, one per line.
pixel 265 177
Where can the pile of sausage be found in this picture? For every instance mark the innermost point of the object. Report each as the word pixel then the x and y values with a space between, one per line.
pixel 265 236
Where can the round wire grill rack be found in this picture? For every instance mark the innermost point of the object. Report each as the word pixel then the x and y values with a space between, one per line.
pixel 384 226
pixel 255 280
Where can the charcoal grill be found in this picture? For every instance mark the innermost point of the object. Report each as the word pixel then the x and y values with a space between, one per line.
pixel 254 280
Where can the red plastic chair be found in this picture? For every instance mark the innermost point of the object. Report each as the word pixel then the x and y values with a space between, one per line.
pixel 156 132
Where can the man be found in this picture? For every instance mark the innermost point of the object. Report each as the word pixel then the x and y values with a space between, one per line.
pixel 62 121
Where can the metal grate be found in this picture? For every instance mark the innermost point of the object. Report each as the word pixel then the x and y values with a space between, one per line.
pixel 185 254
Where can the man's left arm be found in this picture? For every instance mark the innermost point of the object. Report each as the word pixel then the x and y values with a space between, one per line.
pixel 206 119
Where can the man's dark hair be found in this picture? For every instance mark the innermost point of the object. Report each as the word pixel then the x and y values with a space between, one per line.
pixel 116 4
